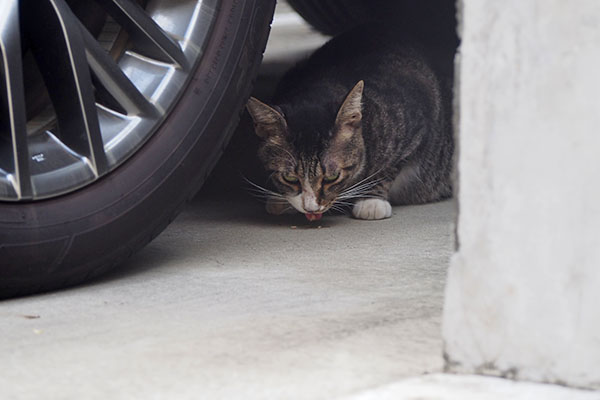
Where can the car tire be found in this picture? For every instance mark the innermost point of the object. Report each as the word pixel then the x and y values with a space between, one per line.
pixel 430 20
pixel 67 239
pixel 334 16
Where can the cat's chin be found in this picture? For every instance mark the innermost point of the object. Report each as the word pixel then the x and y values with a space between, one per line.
pixel 313 216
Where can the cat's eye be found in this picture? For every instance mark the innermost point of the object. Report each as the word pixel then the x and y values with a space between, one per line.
pixel 289 178
pixel 331 178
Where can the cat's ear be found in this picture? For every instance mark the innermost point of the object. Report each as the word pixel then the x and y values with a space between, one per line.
pixel 267 120
pixel 350 113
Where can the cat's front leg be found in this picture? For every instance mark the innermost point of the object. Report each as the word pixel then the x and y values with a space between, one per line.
pixel 279 206
pixel 375 207
pixel 372 209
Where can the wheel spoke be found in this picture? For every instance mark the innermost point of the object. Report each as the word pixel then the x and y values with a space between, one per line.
pixel 149 38
pixel 55 36
pixel 113 81
pixel 13 132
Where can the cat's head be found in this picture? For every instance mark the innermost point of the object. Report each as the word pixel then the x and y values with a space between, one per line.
pixel 312 166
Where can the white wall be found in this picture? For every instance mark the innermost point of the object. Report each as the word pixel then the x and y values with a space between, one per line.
pixel 523 292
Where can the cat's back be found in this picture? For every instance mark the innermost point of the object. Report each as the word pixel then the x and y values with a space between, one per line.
pixel 373 52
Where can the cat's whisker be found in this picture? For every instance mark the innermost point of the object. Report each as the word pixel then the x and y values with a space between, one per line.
pixel 278 201
pixel 357 196
pixel 260 189
pixel 364 184
pixel 262 195
pixel 342 206
pixel 360 188
pixel 343 203
pixel 266 199
pixel 338 209
pixel 355 192
pixel 363 197
pixel 366 179
pixel 255 190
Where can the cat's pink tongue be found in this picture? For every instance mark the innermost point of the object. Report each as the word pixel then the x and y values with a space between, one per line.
pixel 313 217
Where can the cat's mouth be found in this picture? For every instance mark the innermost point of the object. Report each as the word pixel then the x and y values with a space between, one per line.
pixel 313 216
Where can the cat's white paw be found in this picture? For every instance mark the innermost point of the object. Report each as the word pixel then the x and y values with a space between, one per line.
pixel 372 209
pixel 278 207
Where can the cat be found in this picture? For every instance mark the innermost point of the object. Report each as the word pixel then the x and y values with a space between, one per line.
pixel 365 121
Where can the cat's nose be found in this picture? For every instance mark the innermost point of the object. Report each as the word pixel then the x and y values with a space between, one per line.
pixel 309 203
pixel 311 207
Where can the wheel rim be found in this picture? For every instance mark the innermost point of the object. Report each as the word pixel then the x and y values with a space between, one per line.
pixel 103 99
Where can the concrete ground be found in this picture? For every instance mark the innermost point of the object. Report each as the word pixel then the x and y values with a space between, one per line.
pixel 229 303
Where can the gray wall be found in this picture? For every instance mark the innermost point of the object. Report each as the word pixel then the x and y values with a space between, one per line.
pixel 523 292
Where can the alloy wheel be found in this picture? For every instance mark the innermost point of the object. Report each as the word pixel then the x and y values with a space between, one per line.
pixel 84 84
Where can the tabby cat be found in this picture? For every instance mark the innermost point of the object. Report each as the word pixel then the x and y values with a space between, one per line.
pixel 364 122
